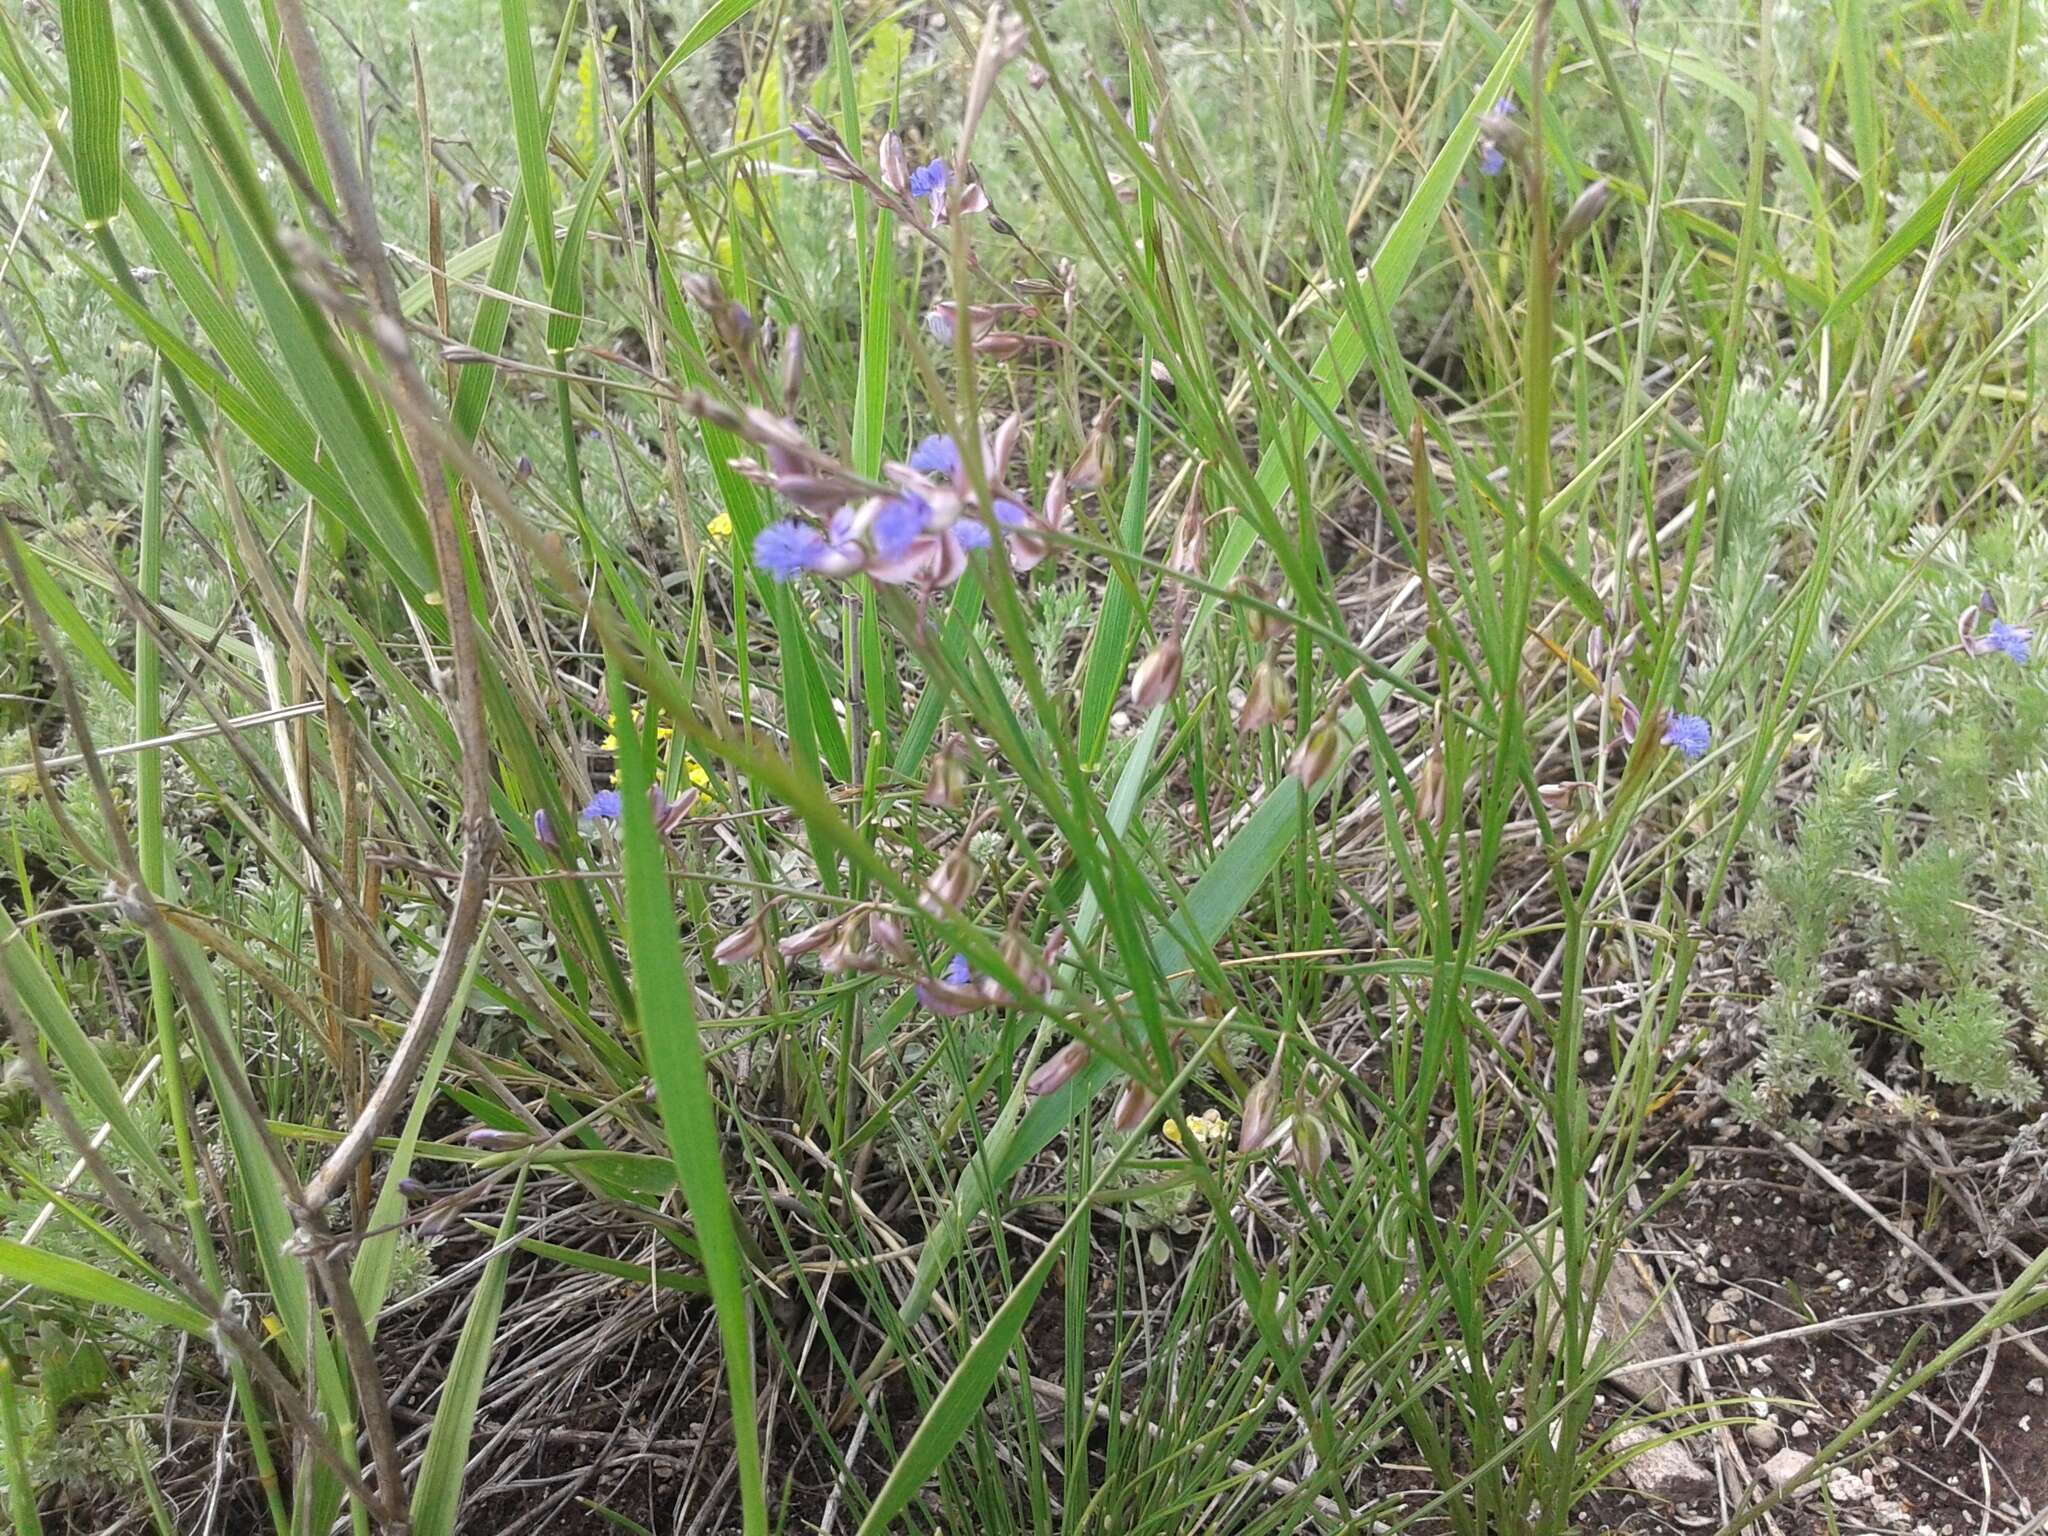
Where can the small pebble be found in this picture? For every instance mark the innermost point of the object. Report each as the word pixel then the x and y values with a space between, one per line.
pixel 1801 1429
pixel 1762 1434
pixel 2037 1386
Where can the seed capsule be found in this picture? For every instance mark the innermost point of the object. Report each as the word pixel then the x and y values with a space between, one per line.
pixel 1267 700
pixel 1316 754
pixel 1261 1112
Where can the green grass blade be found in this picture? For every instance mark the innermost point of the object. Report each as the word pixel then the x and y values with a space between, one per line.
pixel 689 1115
pixel 1987 158
pixel 23 1265
pixel 92 59
pixel 437 1498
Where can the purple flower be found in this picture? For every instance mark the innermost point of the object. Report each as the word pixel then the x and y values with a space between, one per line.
pixel 604 806
pixel 788 548
pixel 928 179
pixel 1690 734
pixel 957 973
pixel 897 526
pixel 1010 515
pixel 1490 158
pixel 2010 640
pixel 936 455
pixel 544 832
pixel 972 536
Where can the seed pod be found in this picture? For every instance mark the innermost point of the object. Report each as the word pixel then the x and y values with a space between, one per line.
pixel 1261 1111
pixel 1134 1107
pixel 1585 211
pixel 952 767
pixel 1267 700
pixel 1316 754
pixel 1157 677
pixel 1059 1069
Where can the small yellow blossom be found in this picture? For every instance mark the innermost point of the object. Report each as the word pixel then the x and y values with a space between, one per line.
pixel 720 527
pixel 1208 1128
pixel 698 776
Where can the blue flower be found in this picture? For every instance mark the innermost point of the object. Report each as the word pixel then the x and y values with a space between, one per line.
pixel 1689 733
pixel 2010 640
pixel 1010 515
pixel 927 179
pixel 1490 158
pixel 957 973
pixel 936 455
pixel 897 526
pixel 788 548
pixel 971 534
pixel 604 806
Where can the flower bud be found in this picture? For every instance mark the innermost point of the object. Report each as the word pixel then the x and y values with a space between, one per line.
pixel 949 999
pixel 1504 133
pixel 669 814
pixel 1268 699
pixel 1089 470
pixel 849 949
pixel 748 942
pixel 951 884
pixel 1261 1112
pixel 804 940
pixel 1631 720
pixel 1429 793
pixel 544 832
pixel 1058 1069
pixel 887 934
pixel 1020 957
pixel 1562 796
pixel 1188 541
pixel 1133 1108
pixel 487 1138
pixel 1309 1148
pixel 895 164
pixel 1158 675
pixel 1584 212
pixel 952 768
pixel 1263 625
pixel 414 1189
pixel 792 369
pixel 1316 754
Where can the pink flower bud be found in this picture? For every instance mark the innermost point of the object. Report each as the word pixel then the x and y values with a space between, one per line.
pixel 1310 1146
pixel 895 164
pixel 1134 1106
pixel 951 884
pixel 1429 793
pixel 804 940
pixel 887 933
pixel 952 768
pixel 1158 675
pixel 1316 754
pixel 745 943
pixel 1267 701
pixel 1059 1069
pixel 1261 1114
pixel 1562 796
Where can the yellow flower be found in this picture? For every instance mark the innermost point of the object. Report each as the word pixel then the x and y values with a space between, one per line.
pixel 1207 1129
pixel 697 775
pixel 720 527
